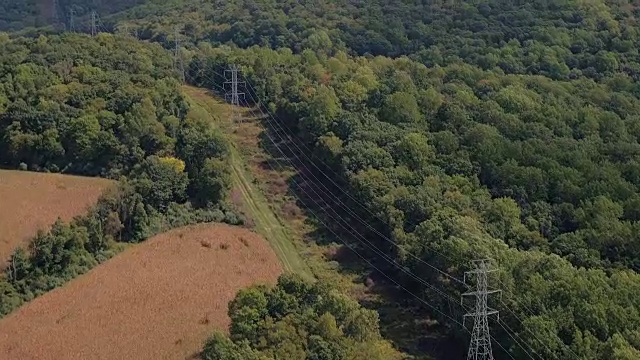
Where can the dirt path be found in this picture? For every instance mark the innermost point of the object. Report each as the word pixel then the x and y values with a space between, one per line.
pixel 254 203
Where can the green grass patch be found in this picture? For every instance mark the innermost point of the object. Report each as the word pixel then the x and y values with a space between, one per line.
pixel 267 223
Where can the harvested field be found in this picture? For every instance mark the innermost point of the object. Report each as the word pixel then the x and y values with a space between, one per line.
pixel 158 300
pixel 31 201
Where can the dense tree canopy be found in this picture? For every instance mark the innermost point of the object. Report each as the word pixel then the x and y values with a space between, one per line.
pixel 464 129
pixel 21 14
pixel 298 321
pixel 86 106
pixel 559 39
pixel 107 106
pixel 460 162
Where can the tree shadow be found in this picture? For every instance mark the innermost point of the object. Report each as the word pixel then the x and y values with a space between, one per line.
pixel 410 327
pixel 405 324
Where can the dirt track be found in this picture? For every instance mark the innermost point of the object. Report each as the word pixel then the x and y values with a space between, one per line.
pixel 31 201
pixel 158 300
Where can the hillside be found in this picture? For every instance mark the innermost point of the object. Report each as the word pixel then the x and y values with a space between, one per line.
pixel 105 106
pixel 18 15
pixel 461 163
pixel 564 39
pixel 423 136
pixel 158 300
pixel 32 202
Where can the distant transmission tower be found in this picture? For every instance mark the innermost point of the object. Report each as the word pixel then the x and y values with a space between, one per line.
pixel 72 25
pixel 94 23
pixel 177 58
pixel 234 95
pixel 480 345
pixel 55 19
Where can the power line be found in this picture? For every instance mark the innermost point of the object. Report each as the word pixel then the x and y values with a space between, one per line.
pixel 385 257
pixel 336 218
pixel 409 253
pixel 347 208
pixel 423 282
pixel 355 231
pixel 348 245
pixel 101 25
pixel 544 344
pixel 394 263
pixel 307 150
pixel 345 225
pixel 372 247
pixel 504 327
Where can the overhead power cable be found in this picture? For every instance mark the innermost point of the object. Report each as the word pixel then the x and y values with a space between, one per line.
pixel 304 153
pixel 384 256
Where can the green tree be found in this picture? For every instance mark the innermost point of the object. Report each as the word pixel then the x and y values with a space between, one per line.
pixel 297 320
pixel 400 107
pixel 160 182
pixel 212 183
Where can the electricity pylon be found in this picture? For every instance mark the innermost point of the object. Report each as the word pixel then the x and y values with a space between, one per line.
pixel 55 19
pixel 177 58
pixel 94 21
pixel 72 25
pixel 480 345
pixel 234 95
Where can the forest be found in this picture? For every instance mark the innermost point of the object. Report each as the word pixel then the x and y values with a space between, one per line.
pixel 105 107
pixel 40 14
pixel 439 132
pixel 558 39
pixel 297 320
pixel 460 163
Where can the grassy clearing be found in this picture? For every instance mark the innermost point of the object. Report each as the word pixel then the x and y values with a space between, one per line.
pixel 328 261
pixel 253 202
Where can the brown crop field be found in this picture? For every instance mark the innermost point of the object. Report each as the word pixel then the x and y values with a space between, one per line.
pixel 157 300
pixel 31 201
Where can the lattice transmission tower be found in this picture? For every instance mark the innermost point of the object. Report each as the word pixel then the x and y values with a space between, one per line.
pixel 94 23
pixel 480 345
pixel 72 26
pixel 55 17
pixel 234 95
pixel 178 63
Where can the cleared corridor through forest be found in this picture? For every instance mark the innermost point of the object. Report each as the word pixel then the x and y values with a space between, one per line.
pixel 254 203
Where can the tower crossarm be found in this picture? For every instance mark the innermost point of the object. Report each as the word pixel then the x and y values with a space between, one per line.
pixel 476 293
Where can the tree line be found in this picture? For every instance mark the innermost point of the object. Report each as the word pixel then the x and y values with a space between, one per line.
pixel 459 163
pixel 501 129
pixel 104 107
pixel 298 320
pixel 560 40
